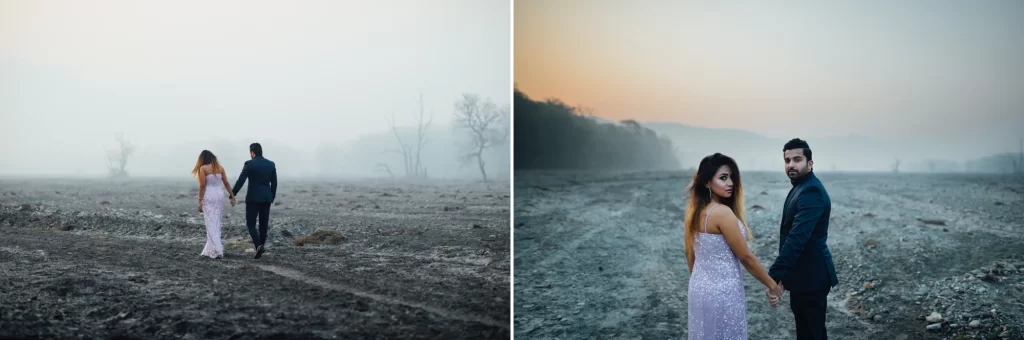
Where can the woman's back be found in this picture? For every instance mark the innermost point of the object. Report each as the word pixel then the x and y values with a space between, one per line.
pixel 214 180
pixel 214 183
pixel 712 252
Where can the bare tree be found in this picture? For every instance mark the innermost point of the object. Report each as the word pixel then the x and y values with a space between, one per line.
pixel 421 171
pixel 404 147
pixel 477 118
pixel 381 167
pixel 411 155
pixel 117 160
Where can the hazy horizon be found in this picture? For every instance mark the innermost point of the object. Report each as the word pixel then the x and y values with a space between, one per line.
pixel 936 78
pixel 293 76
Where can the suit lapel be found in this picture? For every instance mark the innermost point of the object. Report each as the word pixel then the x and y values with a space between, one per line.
pixel 785 205
pixel 788 208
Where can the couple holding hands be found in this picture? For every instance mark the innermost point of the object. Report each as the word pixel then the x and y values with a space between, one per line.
pixel 716 249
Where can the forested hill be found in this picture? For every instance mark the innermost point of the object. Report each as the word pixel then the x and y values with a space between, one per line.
pixel 552 135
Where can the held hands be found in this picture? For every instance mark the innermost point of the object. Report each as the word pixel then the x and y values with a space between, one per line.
pixel 232 201
pixel 774 295
pixel 200 205
pixel 773 300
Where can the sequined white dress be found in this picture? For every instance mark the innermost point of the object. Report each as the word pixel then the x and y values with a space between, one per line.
pixel 717 301
pixel 213 210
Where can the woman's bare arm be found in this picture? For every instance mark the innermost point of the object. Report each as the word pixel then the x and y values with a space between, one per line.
pixel 690 261
pixel 728 224
pixel 202 183
pixel 224 178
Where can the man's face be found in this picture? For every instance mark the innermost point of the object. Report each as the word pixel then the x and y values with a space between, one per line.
pixel 797 164
pixel 252 154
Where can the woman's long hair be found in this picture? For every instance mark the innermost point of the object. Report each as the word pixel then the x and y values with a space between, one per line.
pixel 700 197
pixel 207 157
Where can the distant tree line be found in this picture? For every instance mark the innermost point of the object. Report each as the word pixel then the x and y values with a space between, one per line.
pixel 552 135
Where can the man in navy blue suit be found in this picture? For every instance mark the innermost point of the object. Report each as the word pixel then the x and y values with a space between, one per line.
pixel 804 266
pixel 262 175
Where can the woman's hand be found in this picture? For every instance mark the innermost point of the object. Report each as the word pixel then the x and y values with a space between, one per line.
pixel 200 205
pixel 774 294
pixel 232 201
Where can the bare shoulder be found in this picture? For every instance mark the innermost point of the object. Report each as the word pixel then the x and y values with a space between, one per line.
pixel 719 215
pixel 722 215
pixel 722 211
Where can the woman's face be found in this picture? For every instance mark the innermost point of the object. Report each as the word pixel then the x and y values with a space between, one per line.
pixel 721 185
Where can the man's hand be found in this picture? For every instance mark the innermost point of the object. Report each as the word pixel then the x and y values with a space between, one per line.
pixel 774 296
pixel 232 202
pixel 773 300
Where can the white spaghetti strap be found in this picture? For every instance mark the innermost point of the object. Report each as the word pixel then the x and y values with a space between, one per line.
pixel 706 218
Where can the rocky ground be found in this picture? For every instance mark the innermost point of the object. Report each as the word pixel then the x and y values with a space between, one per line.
pixel 98 259
pixel 919 256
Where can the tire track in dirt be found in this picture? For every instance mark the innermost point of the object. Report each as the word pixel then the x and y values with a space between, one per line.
pixel 299 276
pixel 664 306
pixel 567 240
pixel 634 253
pixel 566 249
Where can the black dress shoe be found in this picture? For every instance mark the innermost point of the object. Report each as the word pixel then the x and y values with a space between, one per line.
pixel 259 252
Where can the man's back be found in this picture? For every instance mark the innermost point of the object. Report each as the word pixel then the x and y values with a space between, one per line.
pixel 262 176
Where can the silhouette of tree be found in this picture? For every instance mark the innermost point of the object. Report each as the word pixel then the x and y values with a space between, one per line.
pixel 478 119
pixel 553 135
pixel 117 160
pixel 411 154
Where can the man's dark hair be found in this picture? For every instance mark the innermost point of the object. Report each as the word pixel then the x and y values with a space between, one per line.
pixel 797 143
pixel 258 150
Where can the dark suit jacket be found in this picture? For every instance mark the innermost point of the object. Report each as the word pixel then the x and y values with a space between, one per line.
pixel 805 262
pixel 262 175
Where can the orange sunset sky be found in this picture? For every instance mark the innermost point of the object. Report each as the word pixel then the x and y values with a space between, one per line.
pixel 929 68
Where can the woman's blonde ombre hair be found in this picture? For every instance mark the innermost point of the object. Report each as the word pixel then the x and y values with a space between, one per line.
pixel 207 157
pixel 700 197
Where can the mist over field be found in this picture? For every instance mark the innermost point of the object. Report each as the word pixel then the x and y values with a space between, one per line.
pixel 324 86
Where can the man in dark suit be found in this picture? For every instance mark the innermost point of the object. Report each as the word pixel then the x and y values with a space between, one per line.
pixel 804 266
pixel 262 175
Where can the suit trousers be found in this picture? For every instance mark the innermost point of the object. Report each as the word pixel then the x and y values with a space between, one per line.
pixel 809 313
pixel 254 212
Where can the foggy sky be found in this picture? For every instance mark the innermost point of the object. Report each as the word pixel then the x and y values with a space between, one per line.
pixel 294 73
pixel 942 77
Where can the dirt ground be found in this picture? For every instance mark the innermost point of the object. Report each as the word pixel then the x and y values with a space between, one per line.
pixel 97 259
pixel 600 255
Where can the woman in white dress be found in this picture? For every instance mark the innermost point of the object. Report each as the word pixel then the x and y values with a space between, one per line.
pixel 211 200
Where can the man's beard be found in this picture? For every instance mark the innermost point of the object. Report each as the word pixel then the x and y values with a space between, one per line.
pixel 797 173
